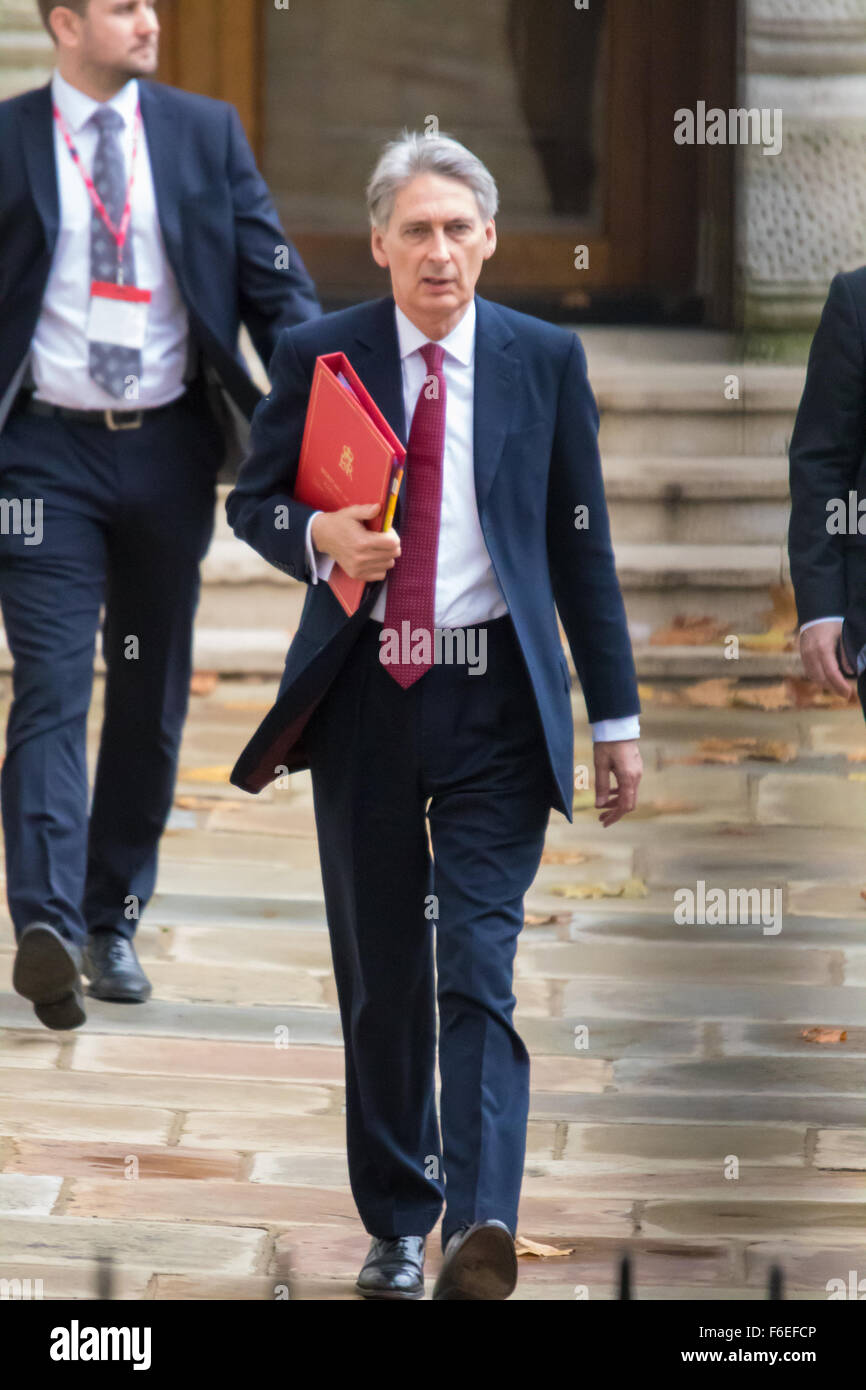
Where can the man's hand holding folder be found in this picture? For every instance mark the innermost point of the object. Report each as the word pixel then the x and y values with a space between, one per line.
pixel 363 554
pixel 350 469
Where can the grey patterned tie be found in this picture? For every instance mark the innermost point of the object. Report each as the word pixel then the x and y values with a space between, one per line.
pixel 111 365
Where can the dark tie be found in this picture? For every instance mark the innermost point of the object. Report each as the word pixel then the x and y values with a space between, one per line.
pixel 412 581
pixel 109 364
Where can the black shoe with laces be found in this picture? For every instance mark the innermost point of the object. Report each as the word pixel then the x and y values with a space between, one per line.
pixel 394 1268
pixel 112 966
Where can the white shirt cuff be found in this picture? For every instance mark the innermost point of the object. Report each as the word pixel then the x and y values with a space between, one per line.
pixel 815 621
pixel 319 565
pixel 612 730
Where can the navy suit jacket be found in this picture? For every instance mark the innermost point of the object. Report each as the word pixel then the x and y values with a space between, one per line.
pixel 827 460
pixel 536 459
pixel 219 225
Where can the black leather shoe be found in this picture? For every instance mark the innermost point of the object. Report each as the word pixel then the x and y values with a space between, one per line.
pixel 47 971
pixel 480 1263
pixel 394 1268
pixel 112 966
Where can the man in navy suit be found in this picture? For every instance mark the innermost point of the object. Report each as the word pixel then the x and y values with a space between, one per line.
pixel 501 521
pixel 827 532
pixel 135 234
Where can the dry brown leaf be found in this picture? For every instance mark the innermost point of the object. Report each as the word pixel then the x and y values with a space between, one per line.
pixel 856 755
pixel 768 697
pixel 825 1035
pixel 773 641
pixel 734 750
pixel 564 856
pixel 538 919
pixel 669 807
pixel 207 803
pixel 807 695
pixel 709 694
pixel 205 774
pixel 784 611
pixel 524 1246
pixel 631 888
pixel 203 682
pixel 687 631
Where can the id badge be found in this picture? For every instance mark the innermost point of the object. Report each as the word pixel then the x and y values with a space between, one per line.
pixel 118 314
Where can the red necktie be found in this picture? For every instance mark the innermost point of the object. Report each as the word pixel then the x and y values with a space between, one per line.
pixel 412 581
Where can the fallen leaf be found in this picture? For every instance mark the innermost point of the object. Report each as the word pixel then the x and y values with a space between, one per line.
pixel 204 774
pixel 824 1035
pixel 856 755
pixel 203 682
pixel 773 641
pixel 564 856
pixel 734 750
pixel 764 696
pixel 784 612
pixel 631 888
pixel 808 695
pixel 524 1246
pixel 538 919
pixel 710 694
pixel 687 631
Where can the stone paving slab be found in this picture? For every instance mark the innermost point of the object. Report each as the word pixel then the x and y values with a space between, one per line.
pixel 70 1159
pixel 634 1143
pixel 695 1107
pixel 179 1094
pixel 227 1088
pixel 152 1245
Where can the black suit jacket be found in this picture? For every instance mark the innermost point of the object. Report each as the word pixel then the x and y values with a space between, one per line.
pixel 219 225
pixel 827 462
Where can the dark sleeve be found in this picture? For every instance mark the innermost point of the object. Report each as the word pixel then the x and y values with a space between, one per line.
pixel 582 570
pixel 825 454
pixel 260 503
pixel 271 298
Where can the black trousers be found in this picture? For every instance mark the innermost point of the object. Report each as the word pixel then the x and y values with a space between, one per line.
pixel 462 756
pixel 126 519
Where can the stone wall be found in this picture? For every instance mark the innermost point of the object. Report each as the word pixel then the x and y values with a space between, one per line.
pixel 803 211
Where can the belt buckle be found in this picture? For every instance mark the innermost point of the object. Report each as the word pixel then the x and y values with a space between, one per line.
pixel 129 425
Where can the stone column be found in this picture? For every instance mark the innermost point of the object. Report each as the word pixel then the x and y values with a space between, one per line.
pixel 801 213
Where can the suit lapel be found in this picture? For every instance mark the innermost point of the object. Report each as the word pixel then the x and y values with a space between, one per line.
pixel 39 156
pixel 496 368
pixel 163 149
pixel 376 358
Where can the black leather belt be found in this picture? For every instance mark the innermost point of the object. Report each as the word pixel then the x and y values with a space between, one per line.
pixel 112 419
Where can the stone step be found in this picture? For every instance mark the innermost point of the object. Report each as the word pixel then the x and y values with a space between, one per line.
pixel 666 499
pixel 682 409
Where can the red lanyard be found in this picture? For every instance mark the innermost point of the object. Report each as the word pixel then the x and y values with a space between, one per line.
pixel 120 232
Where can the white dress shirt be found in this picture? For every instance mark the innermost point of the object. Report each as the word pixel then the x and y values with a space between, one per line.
pixel 59 352
pixel 467 590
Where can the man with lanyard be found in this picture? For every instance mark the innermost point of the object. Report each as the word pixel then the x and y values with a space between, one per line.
pixel 135 235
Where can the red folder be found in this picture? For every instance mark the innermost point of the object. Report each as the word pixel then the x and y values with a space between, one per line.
pixel 349 455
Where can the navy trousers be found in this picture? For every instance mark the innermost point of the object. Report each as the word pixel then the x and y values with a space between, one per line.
pixel 127 517
pixel 464 755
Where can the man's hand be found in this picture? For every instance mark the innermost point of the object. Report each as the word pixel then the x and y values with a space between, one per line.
pixel 623 759
pixel 363 554
pixel 818 652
